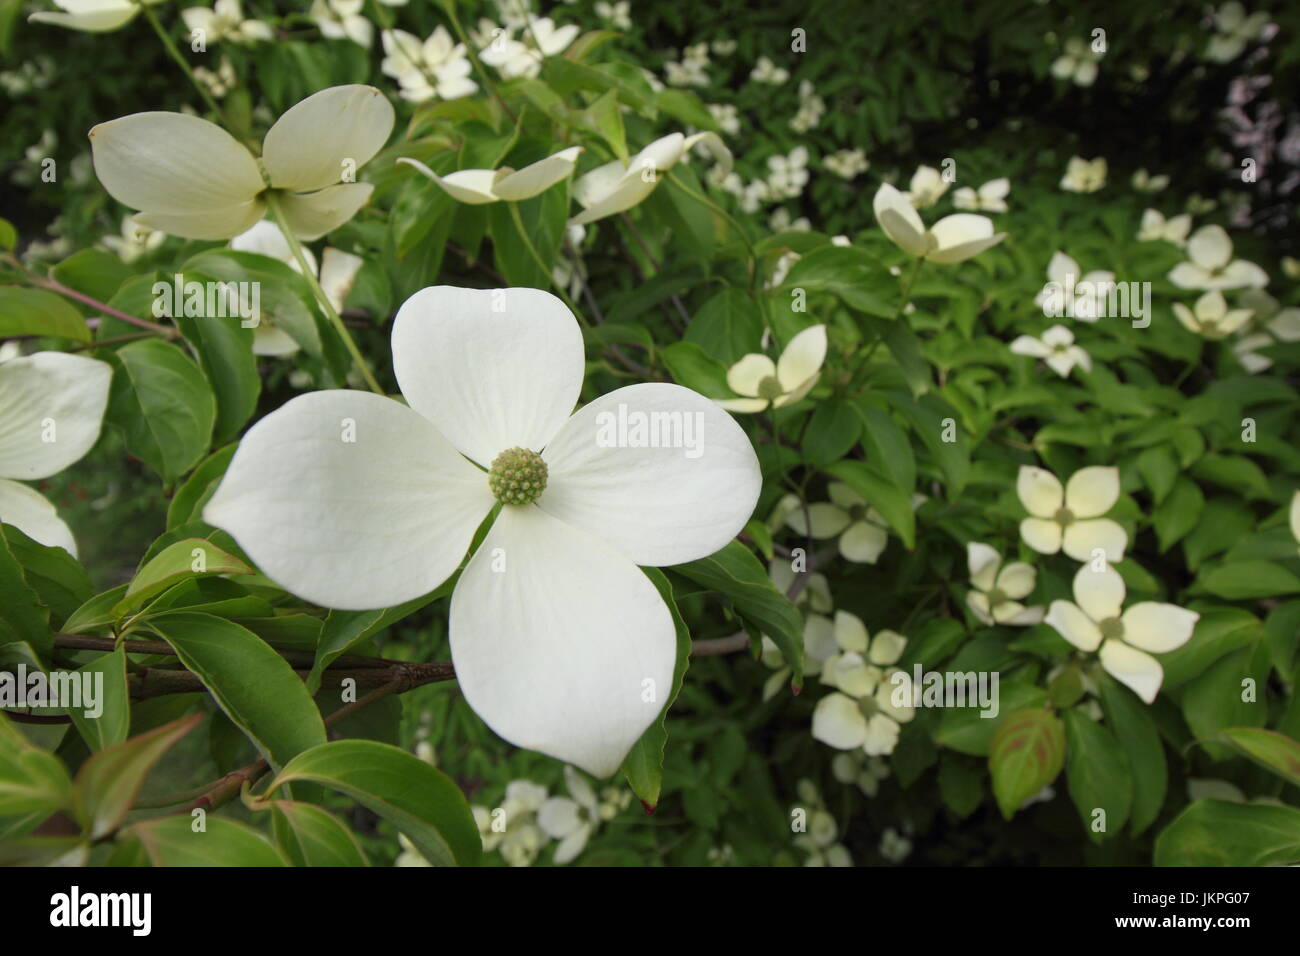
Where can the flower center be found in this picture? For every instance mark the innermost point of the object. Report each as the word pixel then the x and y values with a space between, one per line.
pixel 517 476
pixel 997 597
pixel 1112 628
pixel 1063 517
pixel 770 388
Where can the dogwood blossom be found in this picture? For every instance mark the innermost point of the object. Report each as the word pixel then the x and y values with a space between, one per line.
pixel 1156 227
pixel 787 175
pixel 91 16
pixel 191 178
pixel 1273 323
pixel 1144 182
pixel 1084 175
pixel 861 713
pixel 573 819
pixel 1126 639
pixel 1295 516
pixel 476 187
pixel 999 587
pixel 225 21
pixel 1211 317
pixel 1057 350
pixel 1210 264
pixel 853 766
pixel 617 15
pixel 815 595
pixel 1077 63
pixel 821 641
pixel 523 57
pixel 512 828
pixel 765 71
pixel 1234 29
pixel 991 197
pixel 135 241
pixel 861 529
pixel 763 382
pixel 560 642
pixel 811 109
pixel 616 186
pixel 1070 519
pixel 51 407
pixel 926 188
pixel 437 67
pixel 343 20
pixel 846 163
pixel 1087 291
pixel 952 239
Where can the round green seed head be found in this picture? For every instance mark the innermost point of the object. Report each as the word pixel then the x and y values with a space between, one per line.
pixel 517 476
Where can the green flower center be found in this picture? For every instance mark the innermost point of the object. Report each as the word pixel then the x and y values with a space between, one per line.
pixel 1112 628
pixel 868 707
pixel 1063 517
pixel 770 388
pixel 517 476
pixel 997 596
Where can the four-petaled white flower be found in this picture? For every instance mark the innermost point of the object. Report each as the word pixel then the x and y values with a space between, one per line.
pixel 1210 264
pixel 862 712
pixel 1274 324
pixel 999 587
pixel 438 66
pixel 1127 639
pixel 990 197
pixel 191 178
pixel 51 407
pixel 342 20
pixel 91 16
pixel 1070 519
pixel 861 529
pixel 1077 63
pixel 926 187
pixel 560 642
pixel 225 21
pixel 1057 350
pixel 1234 29
pixel 1085 294
pixel 823 639
pixel 477 187
pixel 765 71
pixel 1156 227
pixel 1084 175
pixel 952 239
pixel 618 186
pixel 1144 182
pixel 763 382
pixel 573 819
pixel 1211 317
pixel 540 38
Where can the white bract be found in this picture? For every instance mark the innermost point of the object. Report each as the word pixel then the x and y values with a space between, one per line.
pixel 540 38
pixel 617 186
pixel 853 766
pixel 51 407
pixel 998 588
pixel 815 595
pixel 436 67
pixel 787 175
pixel 1084 175
pixel 822 639
pixel 1077 63
pixel 1085 294
pixel 342 20
pixel 1210 264
pixel 1274 324
pixel 1070 519
pixel 990 197
pixel 926 187
pixel 225 21
pixel 1156 227
pixel 91 16
pixel 477 187
pixel 861 529
pixel 763 382
pixel 191 178
pixel 1211 317
pixel 1127 639
pixel 954 238
pixel 1056 348
pixel 861 713
pixel 561 643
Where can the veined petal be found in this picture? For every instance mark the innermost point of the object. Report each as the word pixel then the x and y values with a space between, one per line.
pixel 1073 625
pixel 493 368
pixel 1135 669
pixel 838 722
pixel 569 650
pixel 1017 579
pixel 312 215
pixel 1028 345
pixel 538 177
pixel 1157 627
pixel 52 406
pixel 744 377
pixel 350 500
pixel 629 189
pixel 802 358
pixel 1209 247
pixel 32 513
pixel 172 163
pixel 470 186
pixel 1093 491
pixel 900 221
pixel 862 542
pixel 982 562
pixel 961 236
pixel 593 186
pixel 656 471
pixel 91 17
pixel 1082 538
pixel 224 223
pixel 330 133
pixel 1040 491
pixel 1099 593
pixel 1041 534
pixel 978 602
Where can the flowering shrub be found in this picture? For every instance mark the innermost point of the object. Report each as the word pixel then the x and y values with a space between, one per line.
pixel 442 434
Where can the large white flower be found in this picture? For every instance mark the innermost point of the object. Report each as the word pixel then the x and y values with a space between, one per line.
pixel 862 713
pixel 1210 264
pixel 1056 348
pixel 560 642
pixel 1070 519
pixel 191 178
pixel 225 21
pixel 91 16
pixel 953 238
pixel 477 187
pixel 763 382
pixel 1156 227
pixel 998 588
pixel 1211 317
pixel 1084 175
pixel 1086 292
pixel 990 197
pixel 51 407
pixel 618 186
pixel 1096 619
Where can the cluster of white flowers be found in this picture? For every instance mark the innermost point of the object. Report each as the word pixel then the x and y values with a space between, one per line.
pixel 220 81
pixel 1077 63
pixel 691 70
pixel 766 71
pixel 538 38
pixel 225 21
pixel 787 175
pixel 438 67
pixel 1156 228
pixel 1234 29
pixel 811 109
pixel 727 116
pixel 1085 175
pixel 846 163
pixel 617 15
pixel 816 832
pixel 31 75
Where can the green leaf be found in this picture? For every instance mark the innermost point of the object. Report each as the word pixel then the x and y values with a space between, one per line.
pixel 344 630
pixel 932 418
pixel 225 350
pixel 1218 833
pixel 1249 579
pixel 253 684
pixel 24 618
pixel 887 447
pixel 691 366
pixel 285 300
pixel 171 841
pixel 1219 631
pixel 26 311
pixel 685 106
pixel 961 784
pixel 543 217
pixel 832 432
pixel 963 729
pixel 187 504
pixel 1130 721
pixel 109 782
pixel 96 613
pixel 1025 755
pixel 893 503
pixel 164 406
pixel 419 800
pixel 1212 701
pixel 94 272
pixel 310 836
pixel 604 117
pixel 1098 775
pixel 1159 468
pixel 113 722
pixel 904 345
pixel 727 327
pixel 182 561
pixel 31 780
pixel 854 275
pixel 1178 514
pixel 60 583
pixel 1223 522
pixel 1271 750
pixel 8 234
pixel 1234 473
pixel 735 573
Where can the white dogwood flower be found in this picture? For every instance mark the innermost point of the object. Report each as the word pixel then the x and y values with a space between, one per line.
pixel 1211 317
pixel 437 67
pixel 1274 324
pixel 476 187
pixel 846 163
pixel 1057 350
pixel 990 197
pixel 1127 639
pixel 1077 63
pixel 573 819
pixel 998 588
pixel 51 407
pixel 1234 29
pixel 523 57
pixel 135 241
pixel 1070 519
pixel 191 178
pixel 1144 182
pixel 618 186
pixel 1086 292
pixel 926 188
pixel 225 21
pixel 1156 227
pixel 861 529
pixel 954 238
pixel 561 644
pixel 823 638
pixel 862 712
pixel 1210 264
pixel 765 71
pixel 1084 175
pixel 618 15
pixel 91 16
pixel 763 382
pixel 816 595
pixel 343 20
